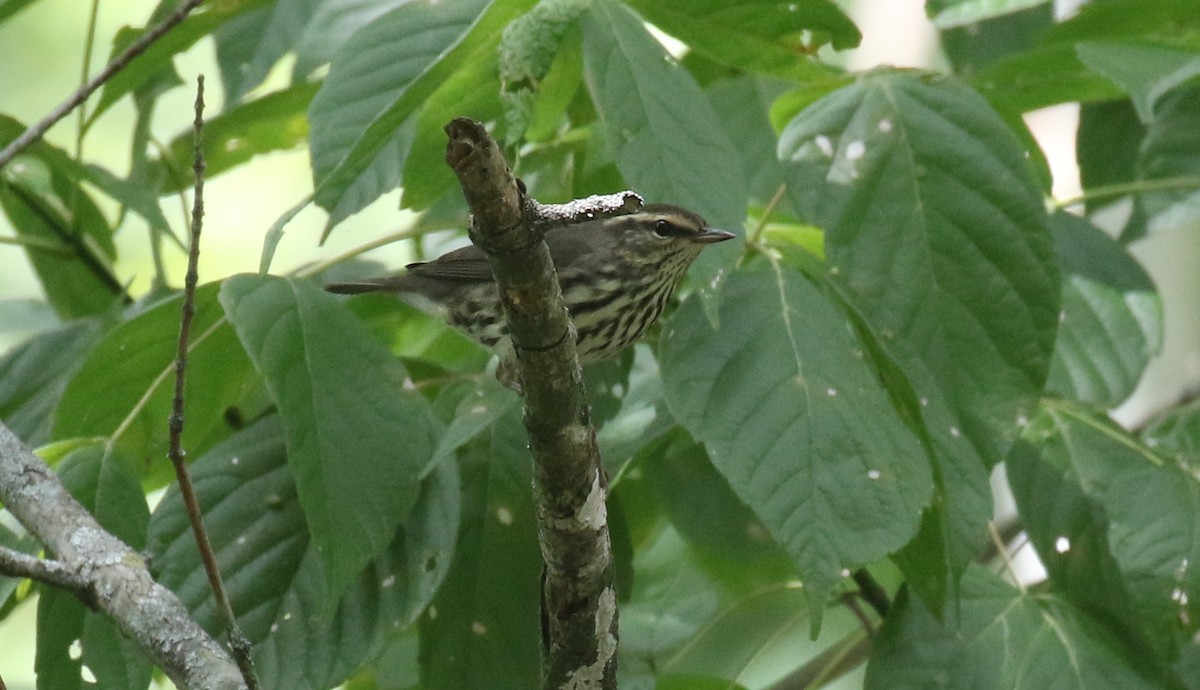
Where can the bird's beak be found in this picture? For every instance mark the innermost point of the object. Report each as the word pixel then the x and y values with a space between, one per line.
pixel 711 236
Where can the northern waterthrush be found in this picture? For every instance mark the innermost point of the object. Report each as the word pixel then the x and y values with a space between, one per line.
pixel 616 274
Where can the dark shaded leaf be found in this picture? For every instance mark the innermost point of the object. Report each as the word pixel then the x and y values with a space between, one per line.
pixel 1112 317
pixel 797 423
pixel 997 638
pixel 336 389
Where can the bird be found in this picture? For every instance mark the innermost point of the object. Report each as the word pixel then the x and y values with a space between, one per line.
pixel 616 273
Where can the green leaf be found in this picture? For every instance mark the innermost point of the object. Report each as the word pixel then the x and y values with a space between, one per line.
pixel 475 414
pixel 527 51
pixel 1146 73
pixel 153 68
pixel 357 139
pixel 357 441
pixel 665 135
pixel 469 92
pixel 1112 317
pixel 248 46
pixel 1070 533
pixel 332 25
pixel 741 105
pixel 727 538
pixel 1149 502
pixel 673 600
pixel 482 629
pixel 939 243
pixel 1171 149
pixel 275 122
pixel 77 280
pixel 797 423
pixel 67 238
pixel 1106 144
pixel 964 12
pixel 273 575
pixel 997 638
pixel 34 374
pixel 766 36
pixel 114 496
pixel 1052 71
pixel 136 359
pixel 973 46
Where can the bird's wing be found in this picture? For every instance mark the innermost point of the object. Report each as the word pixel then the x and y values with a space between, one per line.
pixel 467 264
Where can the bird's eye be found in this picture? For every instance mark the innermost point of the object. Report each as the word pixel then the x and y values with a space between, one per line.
pixel 663 228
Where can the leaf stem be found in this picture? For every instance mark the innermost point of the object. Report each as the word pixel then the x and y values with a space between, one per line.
pixel 1127 188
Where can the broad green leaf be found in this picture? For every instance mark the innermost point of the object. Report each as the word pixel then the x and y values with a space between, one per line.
pixel 137 358
pixel 672 601
pixel 527 51
pixel 481 631
pixel 1112 317
pixel 1150 503
pixel 333 24
pixel 155 64
pixel 357 441
pixel 77 279
pixel 469 92
pixel 665 135
pixel 68 240
pixel 475 414
pixel 255 524
pixel 997 638
pixel 964 12
pixel 971 47
pixel 1070 532
pixel 1176 433
pixel 248 46
pixel 114 496
pixel 1052 73
pixel 1146 73
pixel 772 37
pixel 761 634
pixel 741 105
pixel 1171 149
pixel 378 80
pixel 274 122
pixel 937 240
pixel 1106 145
pixel 273 575
pixel 729 541
pixel 797 423
pixel 34 374
pixel 414 335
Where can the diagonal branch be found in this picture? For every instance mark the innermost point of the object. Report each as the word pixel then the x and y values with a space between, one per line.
pixel 105 573
pixel 579 608
pixel 118 63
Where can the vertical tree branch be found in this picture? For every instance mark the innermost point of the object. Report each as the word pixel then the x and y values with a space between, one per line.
pixel 238 642
pixel 578 598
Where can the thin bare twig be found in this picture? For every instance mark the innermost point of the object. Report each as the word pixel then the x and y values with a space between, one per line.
pixel 239 645
pixel 119 63
pixel 48 571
